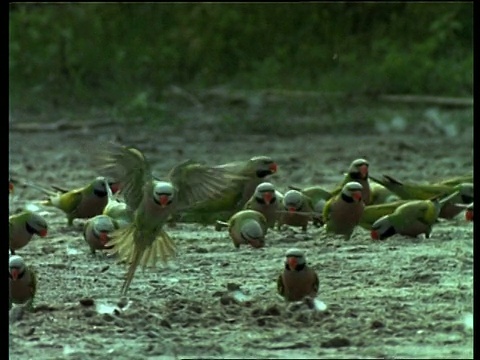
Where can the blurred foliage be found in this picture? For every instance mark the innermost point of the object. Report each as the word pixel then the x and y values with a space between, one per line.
pixel 125 53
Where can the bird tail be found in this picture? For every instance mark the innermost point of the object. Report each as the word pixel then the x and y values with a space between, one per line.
pixel 292 187
pixel 123 241
pixel 48 192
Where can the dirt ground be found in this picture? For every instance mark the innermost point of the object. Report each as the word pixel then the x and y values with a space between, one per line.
pixel 401 298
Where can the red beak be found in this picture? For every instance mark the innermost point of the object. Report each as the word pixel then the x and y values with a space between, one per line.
pixel 42 233
pixel 469 215
pixel 14 273
pixel 291 209
pixel 114 187
pixel 364 171
pixel 273 168
pixel 163 200
pixel 267 197
pixel 374 235
pixel 103 236
pixel 357 195
pixel 292 263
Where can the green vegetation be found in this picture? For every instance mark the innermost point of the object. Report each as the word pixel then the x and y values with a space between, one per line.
pixel 125 55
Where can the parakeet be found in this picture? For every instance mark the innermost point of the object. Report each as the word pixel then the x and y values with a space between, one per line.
pixel 318 197
pixel 144 241
pixel 297 210
pixel 267 201
pixel 379 194
pixel 22 227
pixel 297 280
pixel 246 227
pixel 358 172
pixel 342 213
pixel 417 191
pixel 97 230
pixel 413 218
pixel 22 282
pixel 81 203
pixel 222 207
pixel 372 213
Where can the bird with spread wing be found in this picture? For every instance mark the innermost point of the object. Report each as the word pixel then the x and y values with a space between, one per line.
pixel 153 201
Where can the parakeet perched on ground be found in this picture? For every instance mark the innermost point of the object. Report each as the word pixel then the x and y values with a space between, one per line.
pixel 267 201
pixel 144 241
pixel 246 227
pixel 318 197
pixel 417 191
pixel 372 213
pixel 381 195
pixel 82 203
pixel 22 282
pixel 343 212
pixel 297 280
pixel 97 230
pixel 22 227
pixel 413 218
pixel 357 172
pixel 296 210
pixel 222 207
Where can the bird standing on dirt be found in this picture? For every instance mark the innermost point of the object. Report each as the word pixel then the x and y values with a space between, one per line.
pixel 246 227
pixel 413 218
pixel 357 172
pixel 342 213
pixel 266 200
pixel 144 241
pixel 22 282
pixel 82 203
pixel 222 207
pixel 22 227
pixel 297 210
pixel 298 280
pixel 318 197
pixel 97 230
pixel 417 191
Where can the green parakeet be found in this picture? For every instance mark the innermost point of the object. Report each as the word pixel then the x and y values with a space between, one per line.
pixel 22 282
pixel 266 200
pixel 253 171
pixel 358 172
pixel 297 210
pixel 144 241
pixel 97 230
pixel 297 280
pixel 318 197
pixel 22 227
pixel 417 191
pixel 372 213
pixel 342 213
pixel 82 203
pixel 246 227
pixel 379 194
pixel 413 218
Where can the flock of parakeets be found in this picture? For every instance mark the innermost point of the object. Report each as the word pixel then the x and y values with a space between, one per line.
pixel 127 216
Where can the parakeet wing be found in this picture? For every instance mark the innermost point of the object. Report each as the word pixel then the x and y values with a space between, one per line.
pixel 196 182
pixel 129 166
pixel 372 213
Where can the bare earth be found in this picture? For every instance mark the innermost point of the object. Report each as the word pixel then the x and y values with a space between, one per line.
pixel 402 298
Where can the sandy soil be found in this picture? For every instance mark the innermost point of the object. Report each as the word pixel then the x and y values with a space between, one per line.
pixel 402 298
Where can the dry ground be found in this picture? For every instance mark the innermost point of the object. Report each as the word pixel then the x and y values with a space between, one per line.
pixel 402 298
